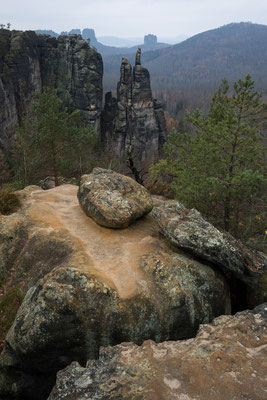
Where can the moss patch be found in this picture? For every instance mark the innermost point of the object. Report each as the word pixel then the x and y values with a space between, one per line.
pixel 9 306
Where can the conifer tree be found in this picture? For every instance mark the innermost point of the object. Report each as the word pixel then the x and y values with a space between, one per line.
pixel 52 141
pixel 219 168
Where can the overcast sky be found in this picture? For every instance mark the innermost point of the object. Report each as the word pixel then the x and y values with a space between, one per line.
pixel 131 18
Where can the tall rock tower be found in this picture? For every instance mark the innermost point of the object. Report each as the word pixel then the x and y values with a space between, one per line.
pixel 134 123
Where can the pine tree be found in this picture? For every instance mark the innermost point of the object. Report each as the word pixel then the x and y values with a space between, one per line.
pixel 219 168
pixel 52 141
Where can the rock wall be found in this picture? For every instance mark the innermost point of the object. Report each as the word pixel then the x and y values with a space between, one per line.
pixel 28 62
pixel 76 70
pixel 20 76
pixel 135 121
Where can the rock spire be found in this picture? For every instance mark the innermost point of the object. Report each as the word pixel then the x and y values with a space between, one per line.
pixel 138 122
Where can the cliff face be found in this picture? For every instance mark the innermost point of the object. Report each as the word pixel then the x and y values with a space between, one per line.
pixel 20 77
pixel 76 70
pixel 133 125
pixel 135 122
pixel 28 62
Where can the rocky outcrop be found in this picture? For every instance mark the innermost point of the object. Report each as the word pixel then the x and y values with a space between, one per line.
pixel 113 200
pixel 150 40
pixel 76 70
pixel 132 127
pixel 139 122
pixel 88 33
pixel 98 287
pixel 226 360
pixel 28 62
pixel 187 230
pixel 20 76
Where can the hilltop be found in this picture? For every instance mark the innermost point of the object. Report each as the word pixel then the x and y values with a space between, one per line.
pixel 231 51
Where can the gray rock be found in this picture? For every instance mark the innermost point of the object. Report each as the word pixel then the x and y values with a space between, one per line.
pixel 113 200
pixel 29 62
pixel 226 360
pixel 70 313
pixel 138 57
pixel 138 121
pixel 49 182
pixel 100 287
pixel 187 230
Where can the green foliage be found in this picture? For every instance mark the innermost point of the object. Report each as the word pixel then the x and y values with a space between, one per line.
pixel 9 201
pixel 51 141
pixel 9 306
pixel 219 167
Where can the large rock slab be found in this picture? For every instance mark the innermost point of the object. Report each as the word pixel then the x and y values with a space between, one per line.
pixel 188 230
pixel 99 287
pixel 113 200
pixel 226 360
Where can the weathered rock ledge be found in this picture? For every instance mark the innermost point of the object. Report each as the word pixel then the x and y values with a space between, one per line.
pixel 188 230
pixel 98 287
pixel 226 360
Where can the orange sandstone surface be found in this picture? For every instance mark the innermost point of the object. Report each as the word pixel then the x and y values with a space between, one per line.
pixel 112 255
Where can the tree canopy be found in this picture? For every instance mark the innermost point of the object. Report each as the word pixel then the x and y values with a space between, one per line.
pixel 218 168
pixel 51 141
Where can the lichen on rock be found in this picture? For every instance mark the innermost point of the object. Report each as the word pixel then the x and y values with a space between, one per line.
pixel 113 200
pixel 30 62
pixel 188 230
pixel 98 287
pixel 226 360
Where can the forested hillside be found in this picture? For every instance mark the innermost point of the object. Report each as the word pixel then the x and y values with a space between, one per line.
pixel 184 75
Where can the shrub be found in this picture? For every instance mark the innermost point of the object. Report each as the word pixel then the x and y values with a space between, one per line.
pixel 9 201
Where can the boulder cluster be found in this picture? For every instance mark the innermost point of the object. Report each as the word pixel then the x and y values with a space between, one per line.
pixel 113 266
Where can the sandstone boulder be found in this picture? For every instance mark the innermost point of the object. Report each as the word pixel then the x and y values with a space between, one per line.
pixel 226 360
pixel 187 230
pixel 98 287
pixel 113 200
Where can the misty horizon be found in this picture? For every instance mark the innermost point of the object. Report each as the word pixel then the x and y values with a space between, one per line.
pixel 132 19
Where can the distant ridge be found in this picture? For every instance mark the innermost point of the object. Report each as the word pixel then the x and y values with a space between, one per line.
pixel 88 33
pixel 231 51
pixel 47 32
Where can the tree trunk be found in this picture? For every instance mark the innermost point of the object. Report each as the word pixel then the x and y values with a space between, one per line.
pixel 56 176
pixel 55 170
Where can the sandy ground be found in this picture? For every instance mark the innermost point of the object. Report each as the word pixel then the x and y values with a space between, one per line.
pixel 112 254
